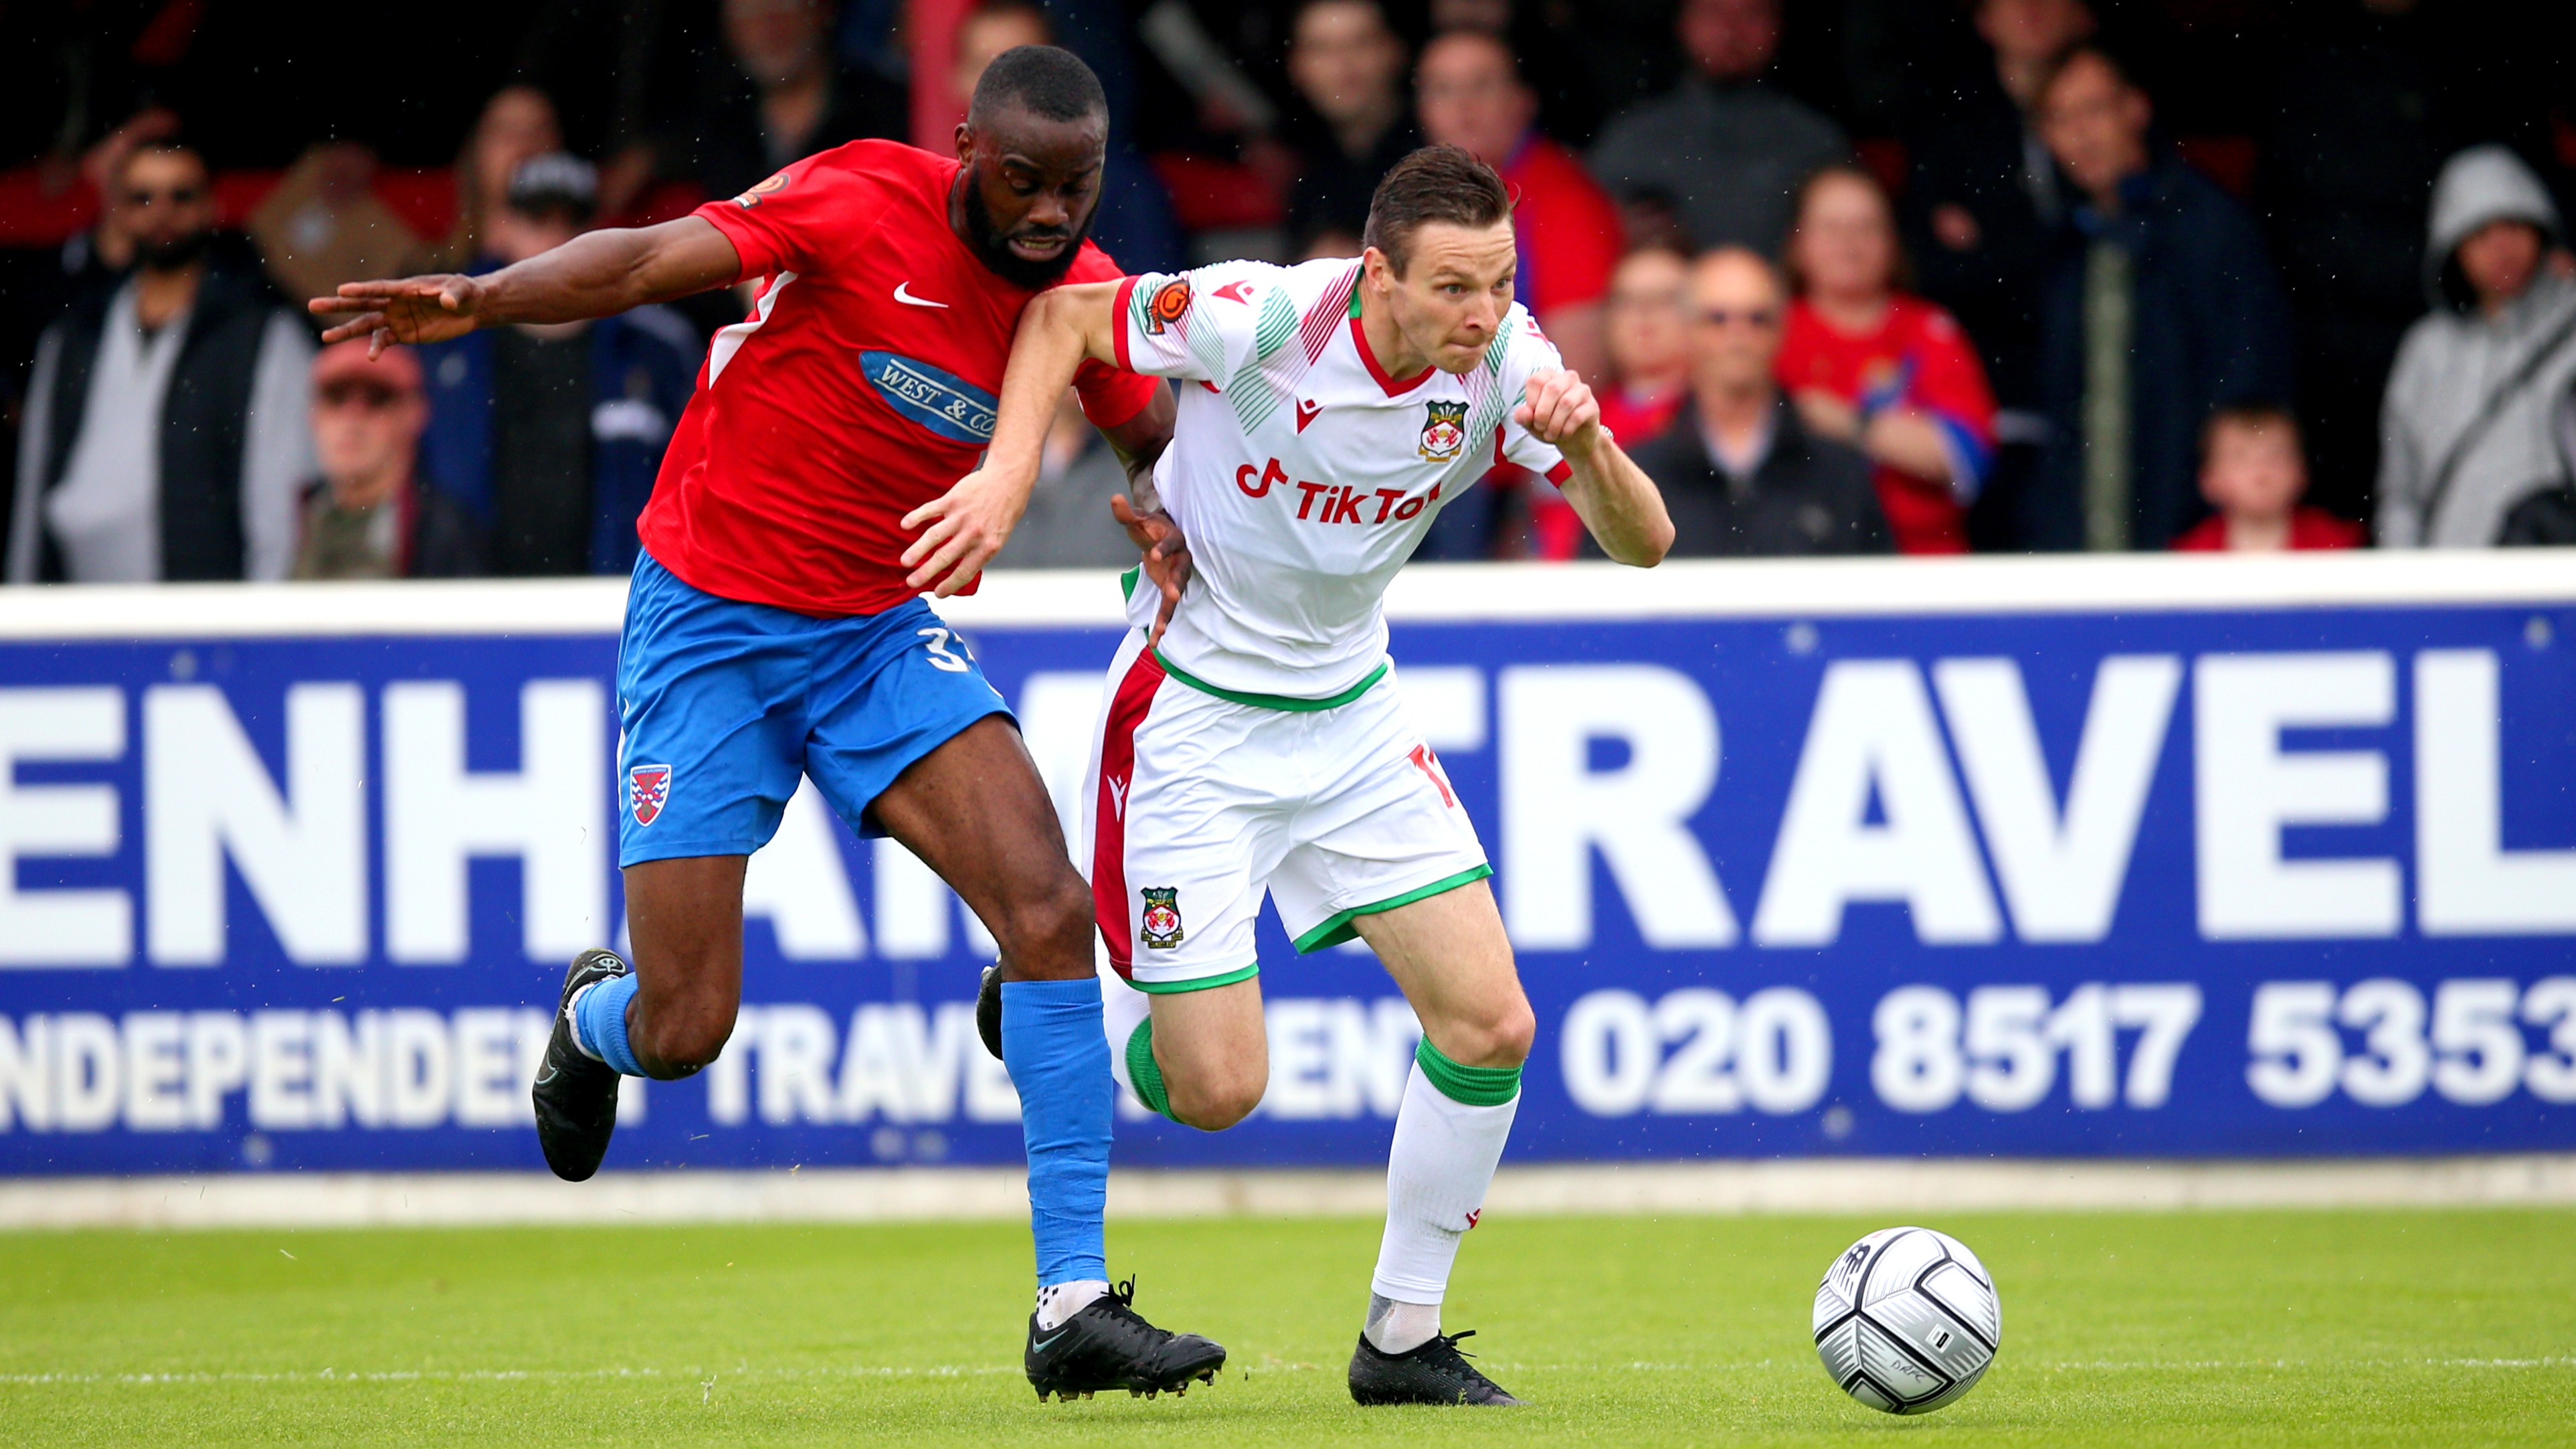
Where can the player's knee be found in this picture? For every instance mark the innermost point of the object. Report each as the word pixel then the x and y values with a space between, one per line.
pixel 679 1043
pixel 1048 935
pixel 1499 1038
pixel 1215 1101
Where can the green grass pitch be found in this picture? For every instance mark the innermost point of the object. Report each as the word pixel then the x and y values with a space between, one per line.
pixel 2200 1329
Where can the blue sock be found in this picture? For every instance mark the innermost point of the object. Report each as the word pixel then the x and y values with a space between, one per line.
pixel 1059 1059
pixel 599 1023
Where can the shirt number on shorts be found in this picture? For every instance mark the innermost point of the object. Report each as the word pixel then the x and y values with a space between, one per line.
pixel 937 649
pixel 1428 764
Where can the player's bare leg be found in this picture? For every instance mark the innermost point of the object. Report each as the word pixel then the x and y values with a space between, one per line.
pixel 975 811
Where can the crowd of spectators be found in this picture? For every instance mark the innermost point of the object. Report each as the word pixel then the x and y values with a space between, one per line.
pixel 1920 276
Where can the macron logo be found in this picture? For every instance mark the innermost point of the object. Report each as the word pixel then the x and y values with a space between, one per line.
pixel 903 294
pixel 1306 413
pixel 1235 292
pixel 1118 798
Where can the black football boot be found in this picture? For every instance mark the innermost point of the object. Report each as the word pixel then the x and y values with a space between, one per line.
pixel 1108 1345
pixel 1433 1372
pixel 576 1095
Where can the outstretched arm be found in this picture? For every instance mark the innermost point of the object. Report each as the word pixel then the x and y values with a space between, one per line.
pixel 968 524
pixel 592 275
pixel 1611 494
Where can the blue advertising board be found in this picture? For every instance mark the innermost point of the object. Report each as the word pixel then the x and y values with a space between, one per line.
pixel 2126 857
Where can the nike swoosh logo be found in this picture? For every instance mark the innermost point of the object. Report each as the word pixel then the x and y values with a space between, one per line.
pixel 903 294
pixel 1039 1345
pixel 547 1075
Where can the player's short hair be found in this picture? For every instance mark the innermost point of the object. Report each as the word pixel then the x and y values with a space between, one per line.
pixel 1435 184
pixel 2254 417
pixel 1044 80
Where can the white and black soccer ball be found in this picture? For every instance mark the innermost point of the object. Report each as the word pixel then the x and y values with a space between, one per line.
pixel 1907 1320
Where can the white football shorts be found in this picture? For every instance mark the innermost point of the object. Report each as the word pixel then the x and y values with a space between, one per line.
pixel 1197 801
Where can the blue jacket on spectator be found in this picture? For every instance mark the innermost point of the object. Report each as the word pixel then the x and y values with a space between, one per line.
pixel 644 365
pixel 2209 329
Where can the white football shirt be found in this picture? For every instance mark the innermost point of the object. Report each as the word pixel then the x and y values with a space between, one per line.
pixel 1302 475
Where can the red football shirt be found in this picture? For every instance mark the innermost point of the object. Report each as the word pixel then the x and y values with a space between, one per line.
pixel 1915 358
pixel 2310 528
pixel 1565 227
pixel 863 384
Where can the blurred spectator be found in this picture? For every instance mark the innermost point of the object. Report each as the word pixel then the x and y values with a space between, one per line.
pixel 165 430
pixel 322 225
pixel 1739 472
pixel 370 515
pixel 1348 66
pixel 1648 333
pixel 517 123
pixel 1727 148
pixel 1888 373
pixel 2159 307
pixel 1133 221
pixel 1983 198
pixel 777 94
pixel 2546 518
pixel 1565 226
pixel 2253 472
pixel 553 434
pixel 1068 525
pixel 2466 431
pixel 1647 336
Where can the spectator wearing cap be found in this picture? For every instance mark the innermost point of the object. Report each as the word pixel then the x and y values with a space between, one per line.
pixel 775 94
pixel 551 436
pixel 1347 64
pixel 2158 307
pixel 2465 431
pixel 370 515
pixel 1726 147
pixel 165 430
pixel 1566 228
pixel 1880 369
pixel 1739 471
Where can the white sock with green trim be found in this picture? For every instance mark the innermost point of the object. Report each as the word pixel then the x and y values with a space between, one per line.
pixel 1449 1137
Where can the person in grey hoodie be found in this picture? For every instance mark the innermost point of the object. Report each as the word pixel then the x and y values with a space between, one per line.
pixel 2465 426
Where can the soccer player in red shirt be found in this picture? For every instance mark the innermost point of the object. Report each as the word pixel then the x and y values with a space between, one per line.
pixel 775 629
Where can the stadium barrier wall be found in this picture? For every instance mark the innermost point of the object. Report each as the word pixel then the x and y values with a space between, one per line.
pixel 2128 857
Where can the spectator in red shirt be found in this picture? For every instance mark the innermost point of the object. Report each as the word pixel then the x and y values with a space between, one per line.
pixel 1881 369
pixel 2253 471
pixel 1471 94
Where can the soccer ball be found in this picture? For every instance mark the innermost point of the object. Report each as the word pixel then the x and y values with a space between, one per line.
pixel 1907 1320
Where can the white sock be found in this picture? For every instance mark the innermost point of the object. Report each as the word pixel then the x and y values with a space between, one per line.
pixel 1060 1301
pixel 1401 1327
pixel 574 1006
pixel 1436 1176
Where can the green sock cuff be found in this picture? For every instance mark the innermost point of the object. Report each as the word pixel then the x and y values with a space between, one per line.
pixel 1141 1070
pixel 1471 1086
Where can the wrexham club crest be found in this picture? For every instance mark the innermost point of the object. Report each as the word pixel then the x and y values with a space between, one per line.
pixel 648 789
pixel 1444 432
pixel 1162 919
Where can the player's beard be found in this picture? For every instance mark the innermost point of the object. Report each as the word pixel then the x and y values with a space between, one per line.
pixel 994 249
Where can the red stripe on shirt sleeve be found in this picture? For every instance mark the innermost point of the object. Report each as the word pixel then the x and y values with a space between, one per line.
pixel 1562 471
pixel 1118 327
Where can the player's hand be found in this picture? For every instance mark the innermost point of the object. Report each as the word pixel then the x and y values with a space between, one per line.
pixel 1167 557
pixel 968 525
pixel 1559 410
pixel 413 310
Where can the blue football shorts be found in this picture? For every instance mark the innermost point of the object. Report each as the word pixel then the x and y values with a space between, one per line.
pixel 725 705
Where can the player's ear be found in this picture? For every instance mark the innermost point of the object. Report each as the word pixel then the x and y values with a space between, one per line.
pixel 965 144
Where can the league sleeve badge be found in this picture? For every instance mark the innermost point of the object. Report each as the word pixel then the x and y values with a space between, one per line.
pixel 751 198
pixel 1170 303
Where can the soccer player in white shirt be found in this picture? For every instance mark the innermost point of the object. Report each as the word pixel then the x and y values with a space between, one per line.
pixel 1254 738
